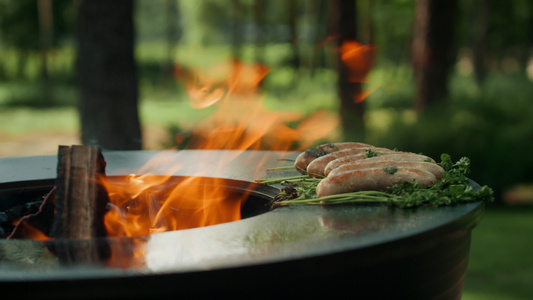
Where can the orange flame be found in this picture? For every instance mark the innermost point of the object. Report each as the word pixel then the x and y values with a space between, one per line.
pixel 144 204
pixel 241 121
pixel 359 60
pixel 205 90
pixel 24 229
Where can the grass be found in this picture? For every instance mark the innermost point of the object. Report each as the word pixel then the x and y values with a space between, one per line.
pixel 501 264
pixel 20 120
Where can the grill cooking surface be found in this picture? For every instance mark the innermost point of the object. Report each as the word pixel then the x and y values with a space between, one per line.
pixel 288 243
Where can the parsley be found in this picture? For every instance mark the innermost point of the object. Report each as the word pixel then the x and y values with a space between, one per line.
pixel 390 170
pixel 370 153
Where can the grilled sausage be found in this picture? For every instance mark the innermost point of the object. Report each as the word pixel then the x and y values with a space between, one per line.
pixel 391 156
pixel 371 179
pixel 303 160
pixel 390 166
pixel 317 166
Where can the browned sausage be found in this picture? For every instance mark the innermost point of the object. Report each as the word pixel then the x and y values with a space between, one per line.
pixel 390 166
pixel 358 158
pixel 350 158
pixel 371 179
pixel 317 166
pixel 310 154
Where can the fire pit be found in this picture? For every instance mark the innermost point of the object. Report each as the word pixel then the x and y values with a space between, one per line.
pixel 366 251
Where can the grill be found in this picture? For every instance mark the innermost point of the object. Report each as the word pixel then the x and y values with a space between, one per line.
pixel 367 251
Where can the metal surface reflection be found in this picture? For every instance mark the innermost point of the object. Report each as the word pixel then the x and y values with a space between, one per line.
pixel 337 245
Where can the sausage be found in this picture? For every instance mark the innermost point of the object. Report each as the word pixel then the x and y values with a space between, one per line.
pixel 371 179
pixel 342 161
pixel 390 166
pixel 317 166
pixel 310 154
pixel 391 156
pixel 346 159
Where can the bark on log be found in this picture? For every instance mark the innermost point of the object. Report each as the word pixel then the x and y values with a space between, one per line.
pixel 81 203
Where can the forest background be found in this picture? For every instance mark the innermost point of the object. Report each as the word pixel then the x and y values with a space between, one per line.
pixel 469 97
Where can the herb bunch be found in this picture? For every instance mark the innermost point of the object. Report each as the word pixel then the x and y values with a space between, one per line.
pixel 453 188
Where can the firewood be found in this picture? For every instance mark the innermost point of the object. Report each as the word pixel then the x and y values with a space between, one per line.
pixel 81 203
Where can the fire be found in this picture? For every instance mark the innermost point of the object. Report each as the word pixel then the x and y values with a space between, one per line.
pixel 148 204
pixel 359 61
pixel 205 90
pixel 145 203
pixel 358 58
pixel 24 229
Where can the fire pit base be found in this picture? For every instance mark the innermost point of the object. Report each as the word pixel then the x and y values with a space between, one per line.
pixel 363 251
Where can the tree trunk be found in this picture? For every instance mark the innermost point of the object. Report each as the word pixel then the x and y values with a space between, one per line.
pixel 107 75
pixel 433 49
pixel 259 20
pixel 319 11
pixel 236 36
pixel 480 35
pixel 365 33
pixel 351 111
pixel 46 36
pixel 528 51
pixel 292 18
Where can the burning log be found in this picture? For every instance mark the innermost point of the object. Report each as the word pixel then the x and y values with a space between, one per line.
pixel 81 203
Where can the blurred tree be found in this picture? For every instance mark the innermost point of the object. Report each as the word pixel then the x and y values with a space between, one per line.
pixel 351 111
pixel 35 26
pixel 433 49
pixel 319 12
pixel 46 38
pixel 172 35
pixel 292 20
pixel 107 75
pixel 19 26
pixel 260 37
pixel 366 31
pixel 510 34
pixel 237 9
pixel 479 39
pixel 392 26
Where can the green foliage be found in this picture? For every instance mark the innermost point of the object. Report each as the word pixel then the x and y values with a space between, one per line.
pixel 393 23
pixel 29 94
pixel 494 127
pixel 510 23
pixel 19 22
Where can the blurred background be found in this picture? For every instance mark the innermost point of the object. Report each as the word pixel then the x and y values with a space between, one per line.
pixel 425 76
